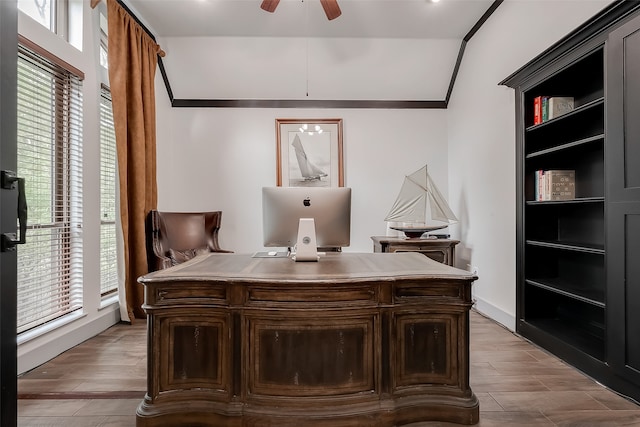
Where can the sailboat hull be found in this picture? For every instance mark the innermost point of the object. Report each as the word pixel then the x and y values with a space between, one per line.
pixel 415 232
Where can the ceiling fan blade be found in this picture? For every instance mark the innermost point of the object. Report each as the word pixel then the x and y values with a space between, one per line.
pixel 269 5
pixel 331 8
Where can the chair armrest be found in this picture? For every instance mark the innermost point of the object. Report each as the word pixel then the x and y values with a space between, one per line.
pixel 162 262
pixel 223 251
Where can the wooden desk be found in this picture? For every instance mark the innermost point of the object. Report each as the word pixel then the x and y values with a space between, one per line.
pixel 352 340
pixel 441 250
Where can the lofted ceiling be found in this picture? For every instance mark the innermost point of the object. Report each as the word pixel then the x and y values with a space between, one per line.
pixel 437 30
pixel 421 19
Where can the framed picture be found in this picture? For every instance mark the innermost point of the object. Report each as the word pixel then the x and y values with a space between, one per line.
pixel 309 153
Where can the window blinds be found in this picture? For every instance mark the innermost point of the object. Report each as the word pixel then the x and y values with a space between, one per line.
pixel 50 159
pixel 108 258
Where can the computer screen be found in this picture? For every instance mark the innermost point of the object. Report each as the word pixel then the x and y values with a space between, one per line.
pixel 282 208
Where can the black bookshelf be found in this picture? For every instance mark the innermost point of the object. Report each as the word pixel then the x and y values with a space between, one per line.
pixel 564 252
pixel 578 292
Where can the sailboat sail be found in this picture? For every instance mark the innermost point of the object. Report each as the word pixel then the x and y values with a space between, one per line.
pixel 418 190
pixel 440 209
pixel 411 204
pixel 308 169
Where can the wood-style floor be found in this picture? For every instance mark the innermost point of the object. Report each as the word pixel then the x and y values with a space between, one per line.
pixel 101 382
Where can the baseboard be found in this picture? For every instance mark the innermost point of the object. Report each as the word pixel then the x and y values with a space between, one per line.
pixel 44 348
pixel 491 311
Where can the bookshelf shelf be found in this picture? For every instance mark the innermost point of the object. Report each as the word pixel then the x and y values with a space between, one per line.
pixel 582 123
pixel 576 247
pixel 588 296
pixel 582 340
pixel 578 278
pixel 568 116
pixel 575 201
pixel 574 144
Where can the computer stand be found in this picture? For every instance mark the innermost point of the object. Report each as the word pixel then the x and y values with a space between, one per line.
pixel 306 248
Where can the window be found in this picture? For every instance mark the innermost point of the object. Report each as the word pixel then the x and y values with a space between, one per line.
pixel 104 40
pixel 43 11
pixel 62 17
pixel 50 160
pixel 53 14
pixel 108 258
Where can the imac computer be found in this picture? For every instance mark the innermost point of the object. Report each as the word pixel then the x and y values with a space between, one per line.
pixel 306 218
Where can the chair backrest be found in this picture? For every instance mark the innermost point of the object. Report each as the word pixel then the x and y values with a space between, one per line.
pixel 175 237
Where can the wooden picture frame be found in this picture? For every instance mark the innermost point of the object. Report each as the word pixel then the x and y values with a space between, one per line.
pixel 309 153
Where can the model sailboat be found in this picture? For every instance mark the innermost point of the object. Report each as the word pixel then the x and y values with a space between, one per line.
pixel 410 208
pixel 309 171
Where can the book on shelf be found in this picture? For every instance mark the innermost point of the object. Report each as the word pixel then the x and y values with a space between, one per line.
pixel 559 105
pixel 555 184
pixel 537 110
pixel 545 108
pixel 549 107
pixel 539 180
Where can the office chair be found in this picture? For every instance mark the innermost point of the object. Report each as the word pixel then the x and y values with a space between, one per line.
pixel 176 237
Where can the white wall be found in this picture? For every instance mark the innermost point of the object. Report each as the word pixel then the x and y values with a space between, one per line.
pixel 481 138
pixel 219 159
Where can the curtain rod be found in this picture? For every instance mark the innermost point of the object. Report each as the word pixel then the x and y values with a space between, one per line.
pixel 161 53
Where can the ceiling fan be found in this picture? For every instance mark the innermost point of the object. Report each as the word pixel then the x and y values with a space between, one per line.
pixel 330 7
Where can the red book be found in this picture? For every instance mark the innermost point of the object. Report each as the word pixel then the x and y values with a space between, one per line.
pixel 537 110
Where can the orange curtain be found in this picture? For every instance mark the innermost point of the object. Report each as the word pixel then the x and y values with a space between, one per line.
pixel 133 57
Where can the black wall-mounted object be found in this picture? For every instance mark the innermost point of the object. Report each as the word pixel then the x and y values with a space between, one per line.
pixel 578 275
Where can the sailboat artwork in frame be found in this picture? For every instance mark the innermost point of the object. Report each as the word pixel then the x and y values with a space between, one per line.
pixel 309 153
pixel 420 207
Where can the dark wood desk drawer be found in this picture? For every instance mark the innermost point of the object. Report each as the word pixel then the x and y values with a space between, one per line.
pixel 313 295
pixel 188 293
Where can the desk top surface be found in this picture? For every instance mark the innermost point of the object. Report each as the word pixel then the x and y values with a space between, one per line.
pixel 332 267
